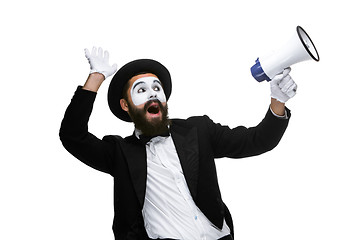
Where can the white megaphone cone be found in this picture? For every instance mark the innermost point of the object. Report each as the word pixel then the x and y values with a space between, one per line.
pixel 299 48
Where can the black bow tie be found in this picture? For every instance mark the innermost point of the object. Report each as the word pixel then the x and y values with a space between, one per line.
pixel 145 139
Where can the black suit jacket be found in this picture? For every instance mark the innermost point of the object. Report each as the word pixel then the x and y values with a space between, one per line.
pixel 198 141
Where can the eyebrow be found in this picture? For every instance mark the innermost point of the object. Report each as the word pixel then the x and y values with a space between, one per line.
pixel 158 82
pixel 137 84
pixel 155 80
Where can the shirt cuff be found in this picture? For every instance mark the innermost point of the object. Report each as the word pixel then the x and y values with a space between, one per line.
pixel 285 116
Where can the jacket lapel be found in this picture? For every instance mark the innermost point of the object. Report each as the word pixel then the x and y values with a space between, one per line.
pixel 186 144
pixel 135 154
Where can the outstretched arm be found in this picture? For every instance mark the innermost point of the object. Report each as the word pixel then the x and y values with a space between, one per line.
pixel 74 132
pixel 244 142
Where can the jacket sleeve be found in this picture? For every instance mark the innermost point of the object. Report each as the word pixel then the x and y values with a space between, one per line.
pixel 76 139
pixel 245 142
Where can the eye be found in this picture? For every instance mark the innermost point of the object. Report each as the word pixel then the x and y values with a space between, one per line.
pixel 156 87
pixel 141 90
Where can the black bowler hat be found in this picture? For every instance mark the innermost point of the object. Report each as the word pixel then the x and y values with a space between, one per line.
pixel 124 74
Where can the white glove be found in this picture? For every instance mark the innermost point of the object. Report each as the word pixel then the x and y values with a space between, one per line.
pixel 283 86
pixel 99 62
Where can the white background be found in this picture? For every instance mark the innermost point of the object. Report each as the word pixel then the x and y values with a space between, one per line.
pixel 306 188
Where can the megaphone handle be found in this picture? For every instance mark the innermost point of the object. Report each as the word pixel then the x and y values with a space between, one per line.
pixel 289 86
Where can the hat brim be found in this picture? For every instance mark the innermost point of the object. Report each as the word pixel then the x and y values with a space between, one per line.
pixel 124 74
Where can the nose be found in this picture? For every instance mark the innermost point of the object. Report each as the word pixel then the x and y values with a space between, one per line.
pixel 152 94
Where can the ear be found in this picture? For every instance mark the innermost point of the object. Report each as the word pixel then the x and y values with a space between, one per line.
pixel 124 105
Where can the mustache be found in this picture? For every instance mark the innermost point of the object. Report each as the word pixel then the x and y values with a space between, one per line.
pixel 148 103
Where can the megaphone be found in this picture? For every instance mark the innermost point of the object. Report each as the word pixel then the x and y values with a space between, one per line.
pixel 299 48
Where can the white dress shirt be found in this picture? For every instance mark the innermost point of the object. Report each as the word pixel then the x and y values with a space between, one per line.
pixel 169 210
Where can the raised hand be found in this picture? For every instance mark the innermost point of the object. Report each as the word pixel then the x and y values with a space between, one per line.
pixel 99 62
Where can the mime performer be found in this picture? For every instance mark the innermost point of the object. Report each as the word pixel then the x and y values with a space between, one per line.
pixel 165 181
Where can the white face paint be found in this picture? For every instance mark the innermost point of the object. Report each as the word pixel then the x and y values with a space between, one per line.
pixel 145 89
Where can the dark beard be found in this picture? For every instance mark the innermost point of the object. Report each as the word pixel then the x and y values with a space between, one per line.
pixel 150 128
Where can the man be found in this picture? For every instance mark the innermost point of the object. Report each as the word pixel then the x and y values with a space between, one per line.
pixel 165 182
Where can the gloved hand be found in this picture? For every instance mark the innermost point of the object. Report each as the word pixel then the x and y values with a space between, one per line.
pixel 99 62
pixel 283 86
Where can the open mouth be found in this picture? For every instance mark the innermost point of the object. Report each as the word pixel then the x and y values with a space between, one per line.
pixel 154 108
